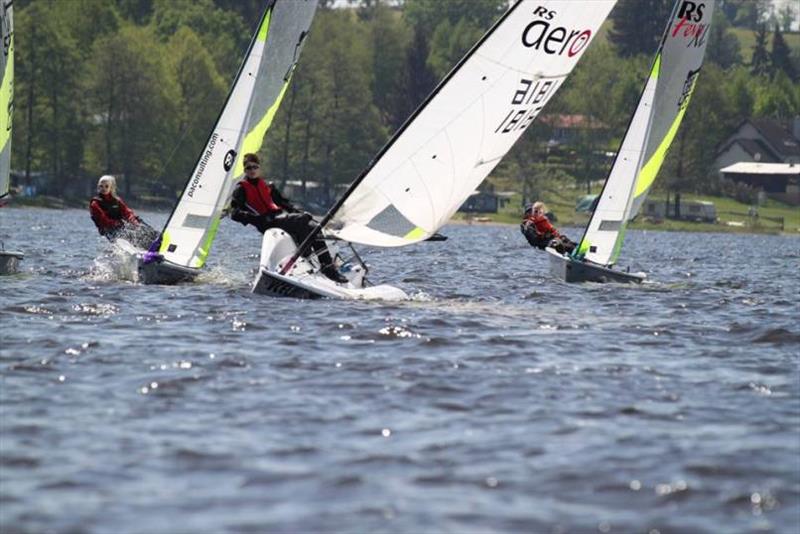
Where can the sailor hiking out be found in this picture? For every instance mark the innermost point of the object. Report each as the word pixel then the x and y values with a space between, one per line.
pixel 114 219
pixel 256 202
pixel 540 233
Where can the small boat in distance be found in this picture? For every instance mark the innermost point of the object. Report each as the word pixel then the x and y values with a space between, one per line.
pixel 9 259
pixel 448 146
pixel 652 128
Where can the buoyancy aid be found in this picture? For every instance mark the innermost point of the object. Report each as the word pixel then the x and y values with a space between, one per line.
pixel 542 225
pixel 110 206
pixel 259 197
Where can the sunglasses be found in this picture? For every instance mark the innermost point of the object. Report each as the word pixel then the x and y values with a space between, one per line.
pixel 251 167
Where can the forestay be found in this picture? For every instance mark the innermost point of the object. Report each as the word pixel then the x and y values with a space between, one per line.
pixel 6 94
pixel 249 110
pixel 466 126
pixel 653 127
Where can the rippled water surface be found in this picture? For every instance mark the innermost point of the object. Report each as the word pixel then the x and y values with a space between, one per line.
pixel 497 400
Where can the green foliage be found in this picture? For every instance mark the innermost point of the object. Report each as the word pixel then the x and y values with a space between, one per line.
pixel 723 46
pixel 128 85
pixel 779 99
pixel 710 117
pixel 748 13
pixel 639 25
pixel 132 87
pixel 223 33
pixel 427 15
pixel 201 93
pixel 48 95
pixel 450 43
pixel 780 56
pixel 337 126
pixel 389 41
pixel 759 63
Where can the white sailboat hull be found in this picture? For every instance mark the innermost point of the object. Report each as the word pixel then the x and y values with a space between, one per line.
pixel 575 271
pixel 304 280
pixel 9 261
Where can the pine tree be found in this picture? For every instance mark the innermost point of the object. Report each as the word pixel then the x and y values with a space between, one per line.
pixel 780 57
pixel 760 64
pixel 639 25
pixel 723 46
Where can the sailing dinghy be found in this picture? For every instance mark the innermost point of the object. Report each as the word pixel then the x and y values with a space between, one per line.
pixel 252 102
pixel 444 150
pixel 652 128
pixel 9 259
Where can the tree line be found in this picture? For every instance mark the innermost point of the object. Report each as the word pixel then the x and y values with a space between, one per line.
pixel 132 88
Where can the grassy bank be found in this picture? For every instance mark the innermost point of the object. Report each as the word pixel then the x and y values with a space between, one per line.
pixel 773 217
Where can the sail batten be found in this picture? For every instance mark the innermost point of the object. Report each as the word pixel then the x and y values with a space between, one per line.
pixel 247 115
pixel 653 127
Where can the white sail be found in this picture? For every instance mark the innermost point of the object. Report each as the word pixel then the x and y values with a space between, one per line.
pixel 6 94
pixel 653 127
pixel 248 113
pixel 472 119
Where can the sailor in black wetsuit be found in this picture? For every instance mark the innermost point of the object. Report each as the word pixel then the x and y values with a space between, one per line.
pixel 256 202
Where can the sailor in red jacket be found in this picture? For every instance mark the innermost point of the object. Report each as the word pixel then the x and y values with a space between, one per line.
pixel 540 233
pixel 114 219
pixel 256 202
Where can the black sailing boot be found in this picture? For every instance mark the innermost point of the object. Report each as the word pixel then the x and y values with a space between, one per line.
pixel 333 273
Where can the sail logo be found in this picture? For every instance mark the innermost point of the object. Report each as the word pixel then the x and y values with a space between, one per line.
pixel 689 25
pixel 542 35
pixel 691 11
pixel 528 100
pixel 688 87
pixel 230 157
pixel 201 167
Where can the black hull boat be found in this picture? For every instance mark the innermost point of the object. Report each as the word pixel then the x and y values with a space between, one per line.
pixel 165 273
pixel 9 261
pixel 573 270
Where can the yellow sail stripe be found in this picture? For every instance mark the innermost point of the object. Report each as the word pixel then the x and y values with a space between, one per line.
pixel 583 248
pixel 416 233
pixel 264 29
pixel 165 241
pixel 206 248
pixel 648 173
pixel 255 137
pixel 618 244
pixel 651 168
pixel 6 95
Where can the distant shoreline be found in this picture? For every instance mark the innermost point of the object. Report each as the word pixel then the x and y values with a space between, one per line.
pixel 667 226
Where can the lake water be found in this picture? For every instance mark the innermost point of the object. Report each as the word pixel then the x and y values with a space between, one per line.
pixel 497 400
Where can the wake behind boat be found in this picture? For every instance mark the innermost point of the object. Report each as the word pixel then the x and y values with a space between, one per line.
pixel 448 146
pixel 652 128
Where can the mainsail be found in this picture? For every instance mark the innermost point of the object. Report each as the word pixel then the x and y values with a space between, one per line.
pixel 254 99
pixel 469 122
pixel 6 94
pixel 654 124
